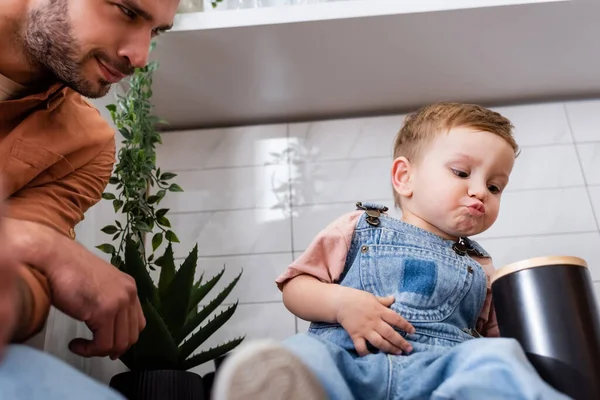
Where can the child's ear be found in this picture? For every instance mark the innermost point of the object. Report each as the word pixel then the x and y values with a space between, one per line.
pixel 401 174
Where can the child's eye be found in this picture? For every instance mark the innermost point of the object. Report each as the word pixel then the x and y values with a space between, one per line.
pixel 494 189
pixel 460 174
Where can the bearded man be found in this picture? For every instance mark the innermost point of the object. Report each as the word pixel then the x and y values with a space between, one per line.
pixel 56 156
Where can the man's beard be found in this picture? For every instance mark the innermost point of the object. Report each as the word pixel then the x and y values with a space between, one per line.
pixel 49 42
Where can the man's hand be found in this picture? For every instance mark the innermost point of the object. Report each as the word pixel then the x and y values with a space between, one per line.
pixel 95 292
pixel 368 318
pixel 86 288
pixel 8 288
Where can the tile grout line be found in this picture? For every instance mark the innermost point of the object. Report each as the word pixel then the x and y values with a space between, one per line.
pixel 340 202
pixel 587 190
pixel 266 253
pixel 334 160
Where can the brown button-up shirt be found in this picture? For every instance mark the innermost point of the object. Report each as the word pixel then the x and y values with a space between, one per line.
pixel 56 156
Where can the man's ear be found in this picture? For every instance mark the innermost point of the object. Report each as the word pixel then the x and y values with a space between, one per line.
pixel 401 176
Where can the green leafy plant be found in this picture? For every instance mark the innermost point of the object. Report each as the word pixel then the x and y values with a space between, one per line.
pixel 171 335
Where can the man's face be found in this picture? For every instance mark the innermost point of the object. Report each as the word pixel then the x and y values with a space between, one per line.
pixel 91 44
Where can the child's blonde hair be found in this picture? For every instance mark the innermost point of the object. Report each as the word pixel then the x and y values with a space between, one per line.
pixel 422 126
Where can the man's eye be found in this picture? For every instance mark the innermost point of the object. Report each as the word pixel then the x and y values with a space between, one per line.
pixel 460 174
pixel 128 13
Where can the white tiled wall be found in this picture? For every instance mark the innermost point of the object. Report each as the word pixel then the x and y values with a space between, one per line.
pixel 256 196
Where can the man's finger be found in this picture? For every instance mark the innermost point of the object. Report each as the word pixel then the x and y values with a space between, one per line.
pixel 141 318
pixel 121 336
pixel 134 325
pixel 102 343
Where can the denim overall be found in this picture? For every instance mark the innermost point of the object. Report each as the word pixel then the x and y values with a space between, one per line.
pixel 440 290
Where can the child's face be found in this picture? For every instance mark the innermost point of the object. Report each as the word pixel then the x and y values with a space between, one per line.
pixel 455 188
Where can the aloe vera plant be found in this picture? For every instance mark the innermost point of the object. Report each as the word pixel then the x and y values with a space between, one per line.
pixel 172 316
pixel 175 328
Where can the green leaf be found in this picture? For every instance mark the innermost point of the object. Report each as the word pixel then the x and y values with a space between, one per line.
pixel 134 266
pixel 175 188
pixel 116 236
pixel 163 221
pixel 161 193
pixel 155 348
pixel 117 204
pixel 153 199
pixel 108 196
pixel 106 248
pixel 211 354
pixel 167 175
pixel 162 212
pixel 167 271
pixel 126 133
pixel 190 345
pixel 111 107
pixel 201 290
pixel 174 305
pixel 207 310
pixel 110 229
pixel 118 224
pixel 113 180
pixel 157 240
pixel 142 227
pixel 172 237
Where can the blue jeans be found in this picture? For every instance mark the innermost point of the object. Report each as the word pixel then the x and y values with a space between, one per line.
pixel 476 369
pixel 28 374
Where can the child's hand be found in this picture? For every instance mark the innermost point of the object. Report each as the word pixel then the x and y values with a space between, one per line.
pixel 368 318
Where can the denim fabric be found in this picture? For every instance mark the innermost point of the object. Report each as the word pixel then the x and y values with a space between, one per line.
pixel 441 293
pixel 28 374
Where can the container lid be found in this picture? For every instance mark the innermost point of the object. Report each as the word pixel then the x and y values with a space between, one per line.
pixel 537 262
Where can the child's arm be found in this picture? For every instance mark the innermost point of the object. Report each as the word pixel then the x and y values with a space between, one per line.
pixel 364 316
pixel 312 300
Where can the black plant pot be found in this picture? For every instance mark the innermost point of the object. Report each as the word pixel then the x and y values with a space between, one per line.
pixel 209 378
pixel 159 385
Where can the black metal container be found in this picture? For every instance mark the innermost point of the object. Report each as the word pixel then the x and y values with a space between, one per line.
pixel 548 305
pixel 159 385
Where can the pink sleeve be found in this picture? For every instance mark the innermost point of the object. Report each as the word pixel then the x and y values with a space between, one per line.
pixel 487 325
pixel 326 256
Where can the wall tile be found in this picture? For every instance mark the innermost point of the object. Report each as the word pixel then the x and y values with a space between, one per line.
pixel 539 212
pixel 538 124
pixel 231 188
pixel 344 139
pixel 584 117
pixel 310 220
pixel 546 167
pixel 302 325
pixel 341 181
pixel 232 232
pixel 589 154
pixel 255 322
pixel 257 283
pixel 594 192
pixel 226 147
pixel 583 245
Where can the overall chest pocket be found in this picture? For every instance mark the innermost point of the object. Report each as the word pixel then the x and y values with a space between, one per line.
pixel 30 164
pixel 427 285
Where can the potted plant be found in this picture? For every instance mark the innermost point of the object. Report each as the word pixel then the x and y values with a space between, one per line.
pixel 160 360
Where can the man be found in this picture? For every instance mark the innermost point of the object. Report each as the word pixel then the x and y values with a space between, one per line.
pixel 56 156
